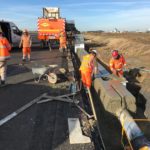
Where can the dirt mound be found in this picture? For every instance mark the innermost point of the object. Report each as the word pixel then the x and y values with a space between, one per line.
pixel 134 46
pixel 129 44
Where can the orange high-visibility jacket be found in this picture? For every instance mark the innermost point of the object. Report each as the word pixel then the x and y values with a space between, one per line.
pixel 87 64
pixel 5 47
pixel 117 64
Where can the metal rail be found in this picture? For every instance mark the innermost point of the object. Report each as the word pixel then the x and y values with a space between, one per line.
pixel 23 108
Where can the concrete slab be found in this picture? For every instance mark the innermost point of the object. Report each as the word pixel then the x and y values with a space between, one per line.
pixel 128 100
pixel 108 97
pixel 75 132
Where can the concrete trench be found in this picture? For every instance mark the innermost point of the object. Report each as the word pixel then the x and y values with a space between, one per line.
pixel 109 97
pixel 111 91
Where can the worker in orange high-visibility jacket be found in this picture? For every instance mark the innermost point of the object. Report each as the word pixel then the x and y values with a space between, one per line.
pixel 117 63
pixel 26 43
pixel 62 41
pixel 5 47
pixel 87 68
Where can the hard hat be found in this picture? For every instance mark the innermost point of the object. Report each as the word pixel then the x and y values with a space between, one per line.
pixel 144 148
pixel 94 51
pixel 25 31
pixel 115 53
pixel 1 31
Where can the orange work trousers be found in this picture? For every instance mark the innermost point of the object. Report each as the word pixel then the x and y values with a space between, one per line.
pixel 86 78
pixel 26 51
pixel 63 45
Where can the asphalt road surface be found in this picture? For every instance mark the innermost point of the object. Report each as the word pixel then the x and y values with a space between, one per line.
pixel 42 126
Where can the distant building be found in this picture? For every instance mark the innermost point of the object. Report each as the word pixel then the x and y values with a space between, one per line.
pixel 116 30
pixel 148 31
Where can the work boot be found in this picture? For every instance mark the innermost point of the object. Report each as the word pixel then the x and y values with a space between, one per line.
pixel 23 60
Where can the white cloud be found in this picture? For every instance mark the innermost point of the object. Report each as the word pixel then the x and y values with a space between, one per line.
pixel 97 17
pixel 22 15
pixel 125 20
pixel 135 13
pixel 121 3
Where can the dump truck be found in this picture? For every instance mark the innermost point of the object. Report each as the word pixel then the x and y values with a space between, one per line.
pixel 52 29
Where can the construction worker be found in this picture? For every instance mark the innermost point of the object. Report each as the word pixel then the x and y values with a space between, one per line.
pixel 62 40
pixel 26 43
pixel 87 68
pixel 117 63
pixel 5 47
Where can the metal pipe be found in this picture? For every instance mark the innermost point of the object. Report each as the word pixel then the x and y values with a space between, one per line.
pixel 23 108
pixel 61 96
pixel 135 136
pixel 92 104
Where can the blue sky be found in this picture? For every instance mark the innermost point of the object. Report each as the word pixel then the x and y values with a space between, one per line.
pixel 88 14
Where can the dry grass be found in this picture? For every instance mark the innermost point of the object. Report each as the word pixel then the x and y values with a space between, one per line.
pixel 132 45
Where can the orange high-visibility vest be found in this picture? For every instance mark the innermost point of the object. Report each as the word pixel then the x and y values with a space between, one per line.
pixel 26 40
pixel 117 64
pixel 62 40
pixel 87 64
pixel 5 47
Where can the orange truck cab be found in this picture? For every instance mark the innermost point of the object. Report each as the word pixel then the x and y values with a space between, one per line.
pixel 51 28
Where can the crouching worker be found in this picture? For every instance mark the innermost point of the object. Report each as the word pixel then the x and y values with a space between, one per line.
pixel 117 63
pixel 87 68
pixel 5 47
pixel 25 43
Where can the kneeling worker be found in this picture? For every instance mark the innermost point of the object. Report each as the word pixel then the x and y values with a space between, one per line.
pixel 117 63
pixel 87 68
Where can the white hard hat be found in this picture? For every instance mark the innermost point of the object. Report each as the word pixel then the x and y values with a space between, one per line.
pixel 25 31
pixel 94 51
